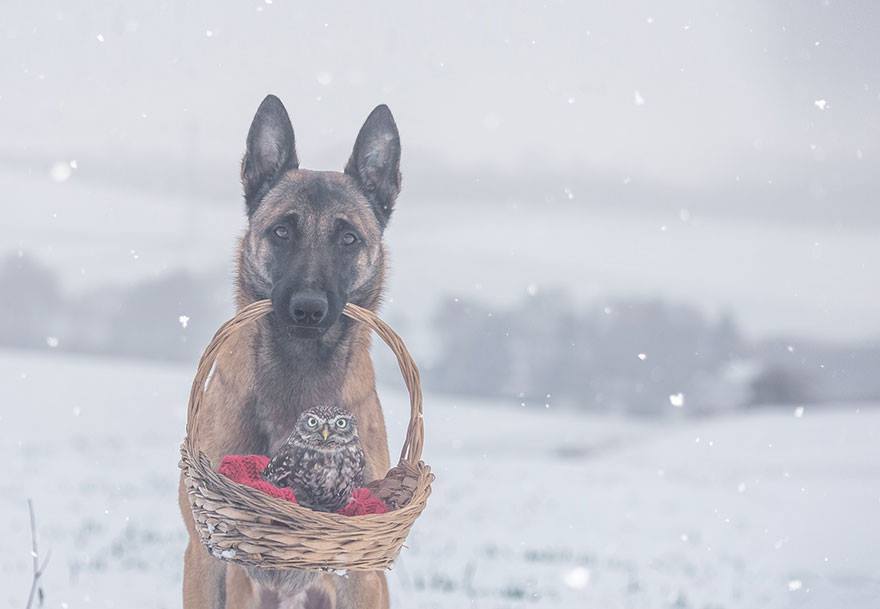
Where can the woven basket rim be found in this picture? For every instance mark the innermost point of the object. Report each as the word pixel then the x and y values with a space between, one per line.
pixel 410 454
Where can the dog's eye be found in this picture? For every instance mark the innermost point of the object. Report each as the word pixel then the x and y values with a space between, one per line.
pixel 341 423
pixel 349 238
pixel 282 231
pixel 312 422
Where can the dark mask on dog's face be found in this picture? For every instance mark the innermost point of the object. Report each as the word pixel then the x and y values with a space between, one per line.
pixel 315 237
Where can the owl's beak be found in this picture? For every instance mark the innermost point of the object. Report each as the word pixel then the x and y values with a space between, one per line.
pixel 325 431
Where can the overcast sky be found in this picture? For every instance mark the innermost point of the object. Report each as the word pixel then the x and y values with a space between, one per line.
pixel 684 92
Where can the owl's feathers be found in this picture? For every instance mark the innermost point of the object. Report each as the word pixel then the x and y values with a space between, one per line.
pixel 322 460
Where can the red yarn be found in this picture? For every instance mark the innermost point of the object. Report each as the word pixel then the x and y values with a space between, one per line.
pixel 247 470
pixel 363 501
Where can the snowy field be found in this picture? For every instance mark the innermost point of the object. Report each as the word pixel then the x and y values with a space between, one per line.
pixel 531 508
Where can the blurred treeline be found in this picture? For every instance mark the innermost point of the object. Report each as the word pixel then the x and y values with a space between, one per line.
pixel 170 317
pixel 627 355
pixel 637 355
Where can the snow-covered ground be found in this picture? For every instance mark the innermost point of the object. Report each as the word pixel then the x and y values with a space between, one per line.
pixel 531 508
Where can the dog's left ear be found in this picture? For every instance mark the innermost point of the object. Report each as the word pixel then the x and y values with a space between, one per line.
pixel 375 162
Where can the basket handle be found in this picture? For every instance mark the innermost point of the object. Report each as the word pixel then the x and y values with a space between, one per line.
pixel 415 431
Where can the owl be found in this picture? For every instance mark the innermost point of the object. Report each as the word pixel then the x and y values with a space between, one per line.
pixel 321 460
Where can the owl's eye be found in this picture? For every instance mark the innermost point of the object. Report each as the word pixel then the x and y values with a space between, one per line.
pixel 341 423
pixel 312 422
pixel 282 231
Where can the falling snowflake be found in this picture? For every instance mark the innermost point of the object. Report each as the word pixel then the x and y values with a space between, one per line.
pixel 638 99
pixel 799 412
pixel 578 578
pixel 741 488
pixel 677 400
pixel 183 320
pixel 61 171
pixel 52 341
pixel 532 289
pixel 821 104
pixel 643 356
pixel 794 584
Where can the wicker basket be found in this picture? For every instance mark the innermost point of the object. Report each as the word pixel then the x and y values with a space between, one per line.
pixel 242 525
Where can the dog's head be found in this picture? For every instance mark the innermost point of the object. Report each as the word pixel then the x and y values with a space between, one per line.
pixel 314 238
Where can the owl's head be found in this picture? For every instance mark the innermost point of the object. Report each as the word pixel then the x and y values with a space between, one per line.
pixel 325 425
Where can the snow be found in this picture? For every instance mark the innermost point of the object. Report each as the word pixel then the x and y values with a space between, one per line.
pixel 61 171
pixel 600 511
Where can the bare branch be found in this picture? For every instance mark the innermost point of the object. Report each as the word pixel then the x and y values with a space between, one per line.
pixel 39 568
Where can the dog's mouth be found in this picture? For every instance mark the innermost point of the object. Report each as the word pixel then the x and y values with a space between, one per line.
pixel 297 331
pixel 306 332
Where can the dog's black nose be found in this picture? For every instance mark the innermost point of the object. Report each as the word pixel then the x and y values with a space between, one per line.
pixel 308 308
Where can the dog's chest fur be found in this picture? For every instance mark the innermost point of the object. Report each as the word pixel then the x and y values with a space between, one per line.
pixel 290 380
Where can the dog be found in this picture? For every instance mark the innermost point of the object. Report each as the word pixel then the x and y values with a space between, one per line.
pixel 314 241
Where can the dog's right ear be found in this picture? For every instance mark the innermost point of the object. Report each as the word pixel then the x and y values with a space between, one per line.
pixel 271 151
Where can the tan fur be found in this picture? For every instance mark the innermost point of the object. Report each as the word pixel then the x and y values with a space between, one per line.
pixel 221 434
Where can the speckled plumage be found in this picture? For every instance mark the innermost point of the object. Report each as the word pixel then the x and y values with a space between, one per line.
pixel 322 460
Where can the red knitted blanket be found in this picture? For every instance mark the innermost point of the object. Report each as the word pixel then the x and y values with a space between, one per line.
pixel 248 470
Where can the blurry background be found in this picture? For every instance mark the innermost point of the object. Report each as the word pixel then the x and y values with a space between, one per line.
pixel 615 216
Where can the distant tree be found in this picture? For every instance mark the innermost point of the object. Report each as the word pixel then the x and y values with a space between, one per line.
pixel 31 303
pixel 475 349
pixel 779 385
pixel 626 355
pixel 171 317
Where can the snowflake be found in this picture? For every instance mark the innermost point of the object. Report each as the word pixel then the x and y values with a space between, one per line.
pixel 60 171
pixel 577 578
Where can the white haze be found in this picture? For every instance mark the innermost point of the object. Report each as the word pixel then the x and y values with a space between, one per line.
pixel 553 144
